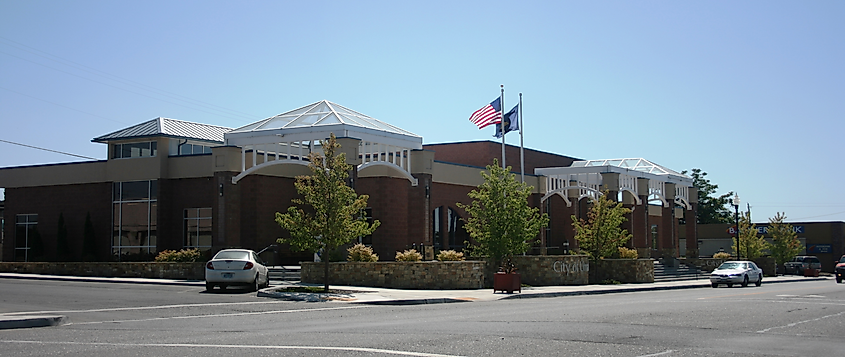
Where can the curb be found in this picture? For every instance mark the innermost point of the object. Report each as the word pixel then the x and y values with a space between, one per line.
pixel 104 280
pixel 12 322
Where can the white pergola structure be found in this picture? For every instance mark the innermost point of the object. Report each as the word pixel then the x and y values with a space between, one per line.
pixel 586 179
pixel 289 138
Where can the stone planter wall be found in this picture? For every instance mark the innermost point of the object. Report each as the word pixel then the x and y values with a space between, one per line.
pixel 164 270
pixel 549 270
pixel 622 270
pixel 399 275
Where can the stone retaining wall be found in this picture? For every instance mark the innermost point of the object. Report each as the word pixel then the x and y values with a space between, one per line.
pixel 162 270
pixel 550 270
pixel 622 270
pixel 399 275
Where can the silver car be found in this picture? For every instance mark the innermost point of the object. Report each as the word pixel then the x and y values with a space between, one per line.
pixel 736 272
pixel 236 267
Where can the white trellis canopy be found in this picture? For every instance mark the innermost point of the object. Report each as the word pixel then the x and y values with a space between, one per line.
pixel 587 178
pixel 289 138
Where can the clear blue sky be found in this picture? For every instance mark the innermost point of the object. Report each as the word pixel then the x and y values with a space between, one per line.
pixel 752 92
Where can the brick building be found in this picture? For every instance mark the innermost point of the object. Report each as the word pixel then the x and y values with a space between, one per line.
pixel 171 184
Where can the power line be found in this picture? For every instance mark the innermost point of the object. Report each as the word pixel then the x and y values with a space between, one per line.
pixel 233 114
pixel 63 106
pixel 50 150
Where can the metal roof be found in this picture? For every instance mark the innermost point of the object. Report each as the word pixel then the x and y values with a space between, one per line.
pixel 636 164
pixel 168 127
pixel 315 121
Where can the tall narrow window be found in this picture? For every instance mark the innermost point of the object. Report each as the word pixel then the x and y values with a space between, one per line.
pixel 457 234
pixel 26 234
pixel 653 236
pixel 135 208
pixel 368 216
pixel 197 228
pixel 436 234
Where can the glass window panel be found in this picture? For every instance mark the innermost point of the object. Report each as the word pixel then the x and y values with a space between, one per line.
pixel 204 213
pixel 198 149
pixel 186 149
pixel 206 149
pixel 191 212
pixel 115 151
pixel 136 190
pixel 116 191
pixel 20 236
pixel 125 150
pixel 116 225
pixel 153 189
pixel 154 148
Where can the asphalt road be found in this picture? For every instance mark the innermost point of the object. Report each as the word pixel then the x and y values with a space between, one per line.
pixel 111 319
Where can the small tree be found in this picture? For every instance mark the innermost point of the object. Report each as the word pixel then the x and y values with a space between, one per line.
pixel 500 221
pixel 751 245
pixel 63 253
pixel 711 208
pixel 601 235
pixel 335 217
pixel 785 244
pixel 89 249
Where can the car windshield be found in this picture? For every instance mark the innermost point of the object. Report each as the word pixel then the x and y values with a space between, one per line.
pixel 232 255
pixel 842 260
pixel 731 265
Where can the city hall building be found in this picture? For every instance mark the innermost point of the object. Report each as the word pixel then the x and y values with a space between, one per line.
pixel 171 184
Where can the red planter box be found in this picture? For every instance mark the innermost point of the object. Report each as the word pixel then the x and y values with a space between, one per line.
pixel 507 282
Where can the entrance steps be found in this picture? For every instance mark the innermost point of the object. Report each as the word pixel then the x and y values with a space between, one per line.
pixel 284 274
pixel 676 271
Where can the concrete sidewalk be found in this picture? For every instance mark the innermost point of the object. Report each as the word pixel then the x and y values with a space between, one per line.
pixel 381 296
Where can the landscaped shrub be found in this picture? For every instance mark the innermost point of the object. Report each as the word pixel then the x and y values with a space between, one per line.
pixel 182 256
pixel 410 255
pixel 626 253
pixel 361 253
pixel 722 255
pixel 450 256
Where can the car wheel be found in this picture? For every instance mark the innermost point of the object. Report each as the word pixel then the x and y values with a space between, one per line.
pixel 256 284
pixel 839 280
pixel 745 281
pixel 714 285
pixel 730 285
pixel 209 286
pixel 759 280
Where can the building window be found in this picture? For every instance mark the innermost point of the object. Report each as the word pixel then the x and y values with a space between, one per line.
pixel 26 235
pixel 135 207
pixel 368 216
pixel 131 150
pixel 653 236
pixel 437 235
pixel 184 147
pixel 197 228
pixel 457 234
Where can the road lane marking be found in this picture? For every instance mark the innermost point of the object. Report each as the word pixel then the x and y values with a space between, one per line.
pixel 658 354
pixel 219 315
pixel 143 308
pixel 192 345
pixel 764 292
pixel 800 322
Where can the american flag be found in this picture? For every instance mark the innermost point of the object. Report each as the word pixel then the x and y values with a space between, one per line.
pixel 489 114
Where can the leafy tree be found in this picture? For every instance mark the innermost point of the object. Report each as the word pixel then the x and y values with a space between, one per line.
pixel 63 253
pixel 336 215
pixel 711 208
pixel 500 221
pixel 601 235
pixel 89 249
pixel 751 245
pixel 785 244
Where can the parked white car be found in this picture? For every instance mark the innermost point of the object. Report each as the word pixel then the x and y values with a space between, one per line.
pixel 236 267
pixel 736 272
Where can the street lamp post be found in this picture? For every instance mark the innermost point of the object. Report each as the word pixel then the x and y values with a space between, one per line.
pixel 736 219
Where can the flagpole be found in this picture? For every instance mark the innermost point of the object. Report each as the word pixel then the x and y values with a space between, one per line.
pixel 521 145
pixel 502 123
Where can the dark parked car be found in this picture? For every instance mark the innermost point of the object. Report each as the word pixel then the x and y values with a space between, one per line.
pixel 840 269
pixel 802 262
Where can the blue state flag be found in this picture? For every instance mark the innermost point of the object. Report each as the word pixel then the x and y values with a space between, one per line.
pixel 510 120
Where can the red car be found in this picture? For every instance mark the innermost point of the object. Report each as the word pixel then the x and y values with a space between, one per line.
pixel 839 271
